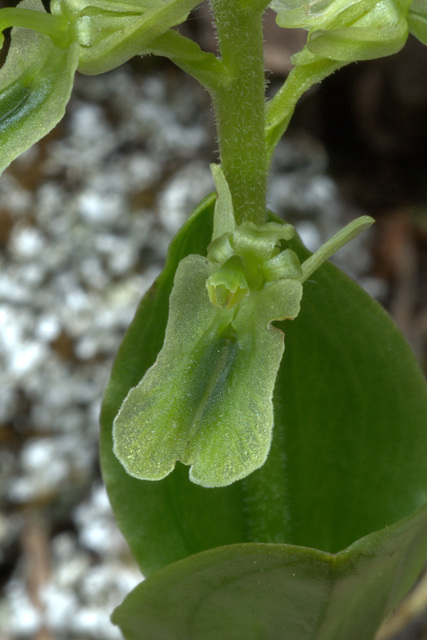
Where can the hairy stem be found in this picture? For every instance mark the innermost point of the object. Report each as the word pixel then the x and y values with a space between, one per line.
pixel 240 107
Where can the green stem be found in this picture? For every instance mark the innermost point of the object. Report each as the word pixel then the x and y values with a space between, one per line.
pixel 240 108
pixel 281 107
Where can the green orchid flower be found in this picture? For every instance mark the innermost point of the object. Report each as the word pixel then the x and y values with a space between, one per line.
pixel 207 400
pixel 417 20
pixel 37 78
pixel 91 36
pixel 110 32
pixel 345 30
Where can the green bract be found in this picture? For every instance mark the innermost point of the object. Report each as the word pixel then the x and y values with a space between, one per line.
pixel 35 83
pixel 207 400
pixel 110 32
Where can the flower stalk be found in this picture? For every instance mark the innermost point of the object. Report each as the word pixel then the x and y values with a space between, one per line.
pixel 240 108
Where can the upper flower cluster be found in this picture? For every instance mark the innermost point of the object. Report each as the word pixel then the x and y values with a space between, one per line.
pixel 345 30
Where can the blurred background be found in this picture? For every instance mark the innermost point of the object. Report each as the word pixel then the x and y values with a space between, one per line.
pixel 86 217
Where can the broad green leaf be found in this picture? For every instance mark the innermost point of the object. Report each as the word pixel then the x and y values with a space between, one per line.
pixel 352 405
pixel 35 86
pixel 278 592
pixel 111 32
pixel 349 446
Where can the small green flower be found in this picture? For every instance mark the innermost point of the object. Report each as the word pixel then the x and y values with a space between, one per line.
pixel 37 78
pixel 417 20
pixel 207 400
pixel 346 30
pixel 110 32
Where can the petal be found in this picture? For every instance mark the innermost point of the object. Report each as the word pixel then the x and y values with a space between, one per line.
pixel 158 417
pixel 235 433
